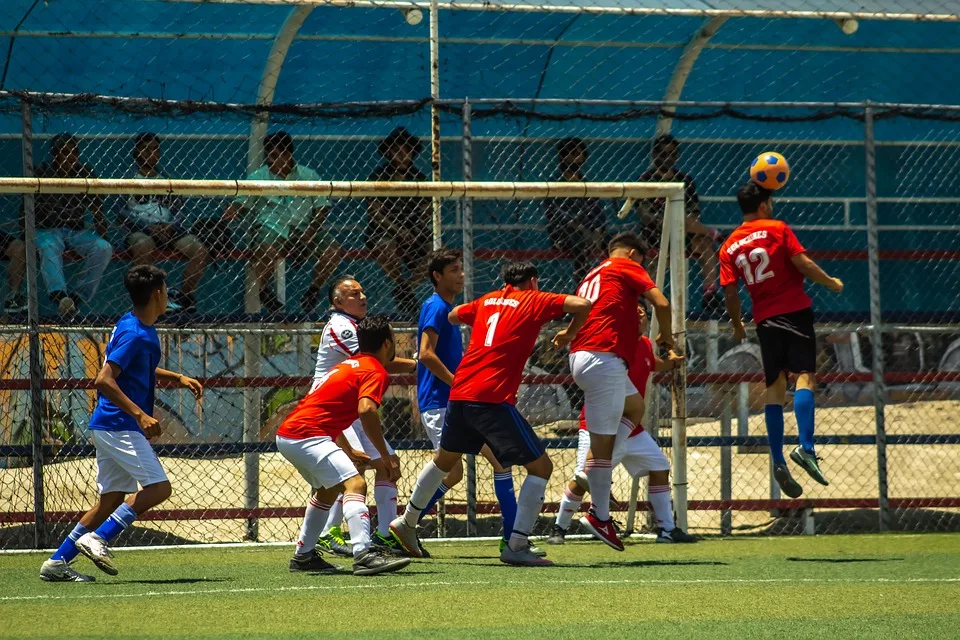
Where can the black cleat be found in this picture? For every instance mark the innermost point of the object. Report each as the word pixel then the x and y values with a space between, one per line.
pixel 558 535
pixel 787 484
pixel 372 562
pixel 311 562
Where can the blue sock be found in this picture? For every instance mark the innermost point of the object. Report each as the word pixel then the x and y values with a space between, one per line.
pixel 441 491
pixel 119 520
pixel 774 418
pixel 503 486
pixel 67 550
pixel 803 404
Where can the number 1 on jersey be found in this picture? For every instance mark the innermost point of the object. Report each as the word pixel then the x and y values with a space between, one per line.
pixel 491 329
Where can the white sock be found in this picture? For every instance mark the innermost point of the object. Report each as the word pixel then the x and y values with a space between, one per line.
pixel 529 503
pixel 314 519
pixel 662 506
pixel 600 474
pixel 427 484
pixel 385 496
pixel 357 515
pixel 569 506
pixel 335 517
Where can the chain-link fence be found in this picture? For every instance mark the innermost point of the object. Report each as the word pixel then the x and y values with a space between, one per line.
pixel 872 197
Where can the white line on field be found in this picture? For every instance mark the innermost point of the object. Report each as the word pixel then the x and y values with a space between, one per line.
pixel 468 583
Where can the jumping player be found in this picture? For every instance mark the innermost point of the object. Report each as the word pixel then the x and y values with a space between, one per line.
pixel 311 439
pixel 121 426
pixel 482 408
pixel 599 359
pixel 767 256
pixel 635 449
pixel 440 351
pixel 337 343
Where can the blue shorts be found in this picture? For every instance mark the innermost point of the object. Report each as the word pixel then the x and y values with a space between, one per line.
pixel 467 426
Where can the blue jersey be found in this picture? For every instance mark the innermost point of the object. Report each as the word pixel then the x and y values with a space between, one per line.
pixel 431 392
pixel 135 348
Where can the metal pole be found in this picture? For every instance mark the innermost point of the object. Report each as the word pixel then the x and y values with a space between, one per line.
pixel 435 117
pixel 726 463
pixel 468 276
pixel 876 335
pixel 678 293
pixel 33 336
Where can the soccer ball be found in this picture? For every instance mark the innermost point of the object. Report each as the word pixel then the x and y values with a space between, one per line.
pixel 770 170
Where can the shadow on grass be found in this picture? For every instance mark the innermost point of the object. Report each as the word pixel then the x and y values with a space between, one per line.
pixel 844 560
pixel 611 564
pixel 175 581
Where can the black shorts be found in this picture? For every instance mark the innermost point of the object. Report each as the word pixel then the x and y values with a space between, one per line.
pixel 467 426
pixel 788 343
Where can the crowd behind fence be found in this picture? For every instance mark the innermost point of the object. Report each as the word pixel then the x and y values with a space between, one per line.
pixel 873 197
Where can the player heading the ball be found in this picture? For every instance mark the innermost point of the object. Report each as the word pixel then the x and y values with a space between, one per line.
pixel 767 256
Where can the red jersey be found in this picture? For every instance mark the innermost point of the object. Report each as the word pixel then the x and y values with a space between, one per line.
pixel 639 373
pixel 613 326
pixel 506 325
pixel 759 252
pixel 331 406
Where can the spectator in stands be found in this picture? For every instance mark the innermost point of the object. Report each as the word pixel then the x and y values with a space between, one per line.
pixel 289 226
pixel 61 225
pixel 400 230
pixel 701 239
pixel 15 251
pixel 577 226
pixel 156 221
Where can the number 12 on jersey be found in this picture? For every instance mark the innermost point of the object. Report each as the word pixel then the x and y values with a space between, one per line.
pixel 759 257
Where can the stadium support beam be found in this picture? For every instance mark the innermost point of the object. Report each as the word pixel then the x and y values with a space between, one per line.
pixel 685 65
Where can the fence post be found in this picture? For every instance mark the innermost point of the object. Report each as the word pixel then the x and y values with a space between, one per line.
pixel 435 118
pixel 33 335
pixel 876 335
pixel 468 275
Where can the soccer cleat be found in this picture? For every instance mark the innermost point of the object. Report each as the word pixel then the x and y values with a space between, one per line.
pixel 388 544
pixel 603 530
pixel 371 562
pixel 523 558
pixel 534 549
pixel 60 571
pixel 809 462
pixel 423 550
pixel 676 535
pixel 311 562
pixel 95 548
pixel 407 537
pixel 334 543
pixel 787 484
pixel 558 535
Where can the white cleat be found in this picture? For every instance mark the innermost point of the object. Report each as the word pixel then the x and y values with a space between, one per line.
pixel 95 548
pixel 60 571
pixel 407 537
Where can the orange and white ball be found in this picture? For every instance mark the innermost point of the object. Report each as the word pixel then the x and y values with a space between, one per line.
pixel 770 170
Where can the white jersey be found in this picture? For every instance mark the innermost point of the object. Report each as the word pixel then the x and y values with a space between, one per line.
pixel 337 343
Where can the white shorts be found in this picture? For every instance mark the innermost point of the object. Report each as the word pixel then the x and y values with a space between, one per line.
pixel 605 384
pixel 319 460
pixel 432 420
pixel 639 455
pixel 124 460
pixel 358 439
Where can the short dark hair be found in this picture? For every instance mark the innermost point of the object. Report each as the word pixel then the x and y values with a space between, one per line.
pixel 569 145
pixel 372 332
pixel 626 240
pixel 515 273
pixel 750 196
pixel 278 140
pixel 142 280
pixel 145 138
pixel 332 291
pixel 439 260
pixel 61 140
pixel 663 140
pixel 400 137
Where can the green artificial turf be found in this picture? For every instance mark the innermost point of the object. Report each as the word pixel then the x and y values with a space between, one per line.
pixel 893 586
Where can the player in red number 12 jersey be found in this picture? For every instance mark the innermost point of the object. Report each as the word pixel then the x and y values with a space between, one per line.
pixel 482 407
pixel 767 256
pixel 600 357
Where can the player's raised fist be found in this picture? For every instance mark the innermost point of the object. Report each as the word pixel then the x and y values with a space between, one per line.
pixel 150 425
pixel 739 332
pixel 836 285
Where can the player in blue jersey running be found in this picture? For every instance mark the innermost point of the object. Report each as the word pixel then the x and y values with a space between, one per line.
pixel 121 427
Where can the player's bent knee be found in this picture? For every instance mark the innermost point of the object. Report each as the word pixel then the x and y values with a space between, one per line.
pixel 355 484
pixel 455 476
pixel 542 467
pixel 659 478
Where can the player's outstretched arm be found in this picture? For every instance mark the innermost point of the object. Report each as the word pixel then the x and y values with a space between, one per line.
pixel 401 365
pixel 731 296
pixel 106 385
pixel 454 315
pixel 370 420
pixel 812 271
pixel 429 358
pixel 661 307
pixel 580 308
pixel 184 381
